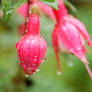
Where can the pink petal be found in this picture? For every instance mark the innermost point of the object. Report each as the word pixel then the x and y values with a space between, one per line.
pixel 22 10
pixel 46 10
pixel 55 46
pixel 42 49
pixel 81 28
pixel 70 38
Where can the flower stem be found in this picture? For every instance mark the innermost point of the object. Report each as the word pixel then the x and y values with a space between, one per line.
pixel 27 15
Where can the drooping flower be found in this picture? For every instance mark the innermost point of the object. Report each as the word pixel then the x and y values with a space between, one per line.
pixel 31 48
pixel 69 36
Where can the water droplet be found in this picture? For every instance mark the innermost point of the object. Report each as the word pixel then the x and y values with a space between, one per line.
pixel 38 70
pixel 43 61
pixel 32 41
pixel 26 75
pixel 59 72
pixel 34 65
pixel 42 47
pixel 70 64
pixel 28 41
pixel 79 49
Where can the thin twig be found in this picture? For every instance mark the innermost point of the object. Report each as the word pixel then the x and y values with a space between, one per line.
pixel 27 15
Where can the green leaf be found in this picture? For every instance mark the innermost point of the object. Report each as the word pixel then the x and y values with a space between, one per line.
pixel 7 10
pixel 51 3
pixel 7 14
pixel 9 6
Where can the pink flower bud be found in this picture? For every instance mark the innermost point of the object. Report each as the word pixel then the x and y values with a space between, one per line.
pixel 31 48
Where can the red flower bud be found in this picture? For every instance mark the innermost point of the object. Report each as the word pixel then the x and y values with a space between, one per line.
pixel 32 47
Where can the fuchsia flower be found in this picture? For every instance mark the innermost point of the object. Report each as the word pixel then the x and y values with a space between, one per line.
pixel 69 35
pixel 31 47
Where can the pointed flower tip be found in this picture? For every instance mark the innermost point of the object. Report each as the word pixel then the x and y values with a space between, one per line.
pixel 59 72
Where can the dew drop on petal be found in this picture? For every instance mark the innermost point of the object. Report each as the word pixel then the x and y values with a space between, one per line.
pixel 34 65
pixel 59 72
pixel 79 49
pixel 71 49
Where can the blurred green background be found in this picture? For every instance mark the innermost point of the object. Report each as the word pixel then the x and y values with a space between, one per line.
pixel 74 76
